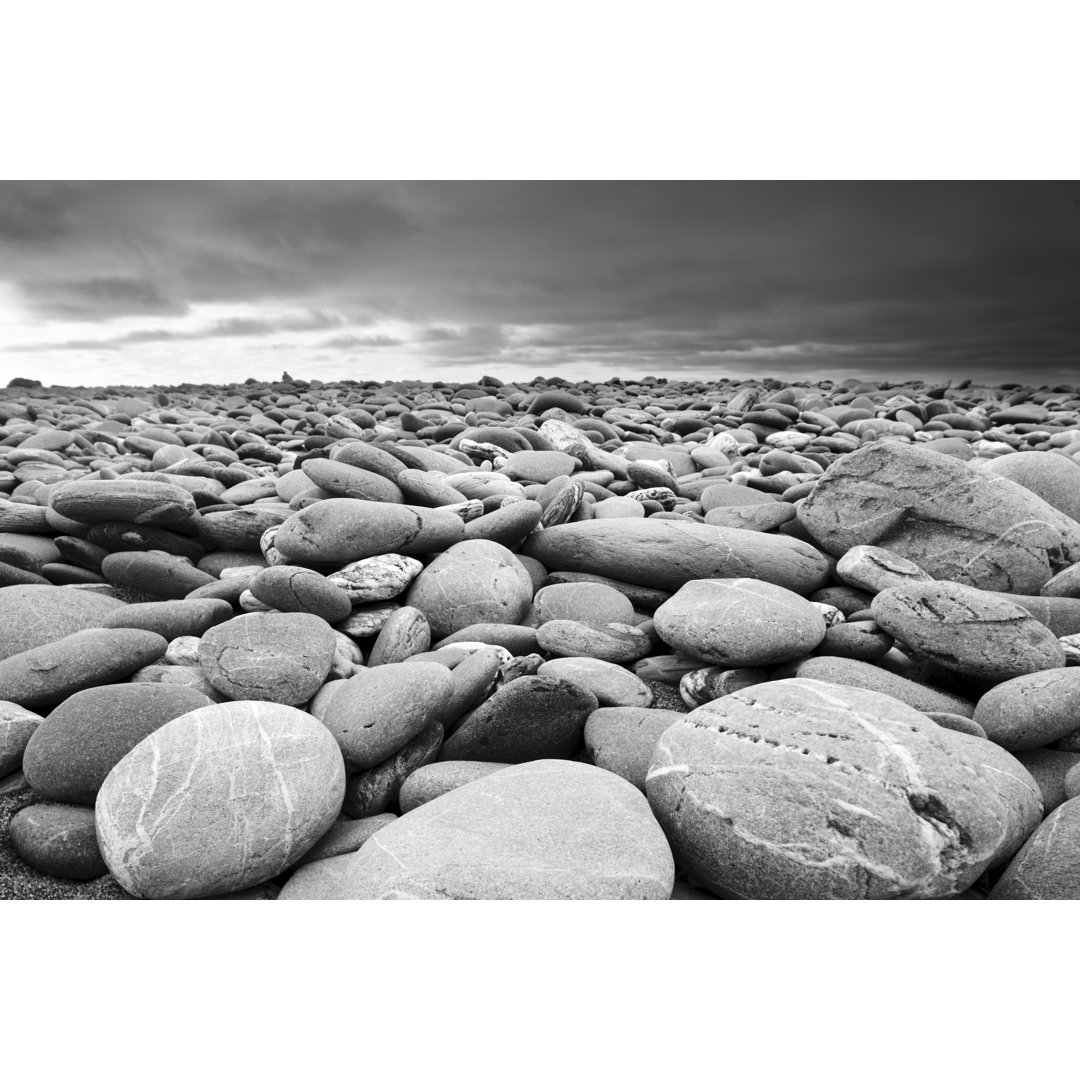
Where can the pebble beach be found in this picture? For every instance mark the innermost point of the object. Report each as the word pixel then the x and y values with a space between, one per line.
pixel 635 639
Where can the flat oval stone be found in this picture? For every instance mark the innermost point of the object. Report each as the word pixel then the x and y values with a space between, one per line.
pixel 138 501
pixel 531 718
pixel 280 657
pixel 556 830
pixel 610 684
pixel 739 622
pixel 32 615
pixel 337 531
pixel 167 577
pixel 431 781
pixel 17 725
pixel 1031 710
pixel 1047 866
pixel 956 524
pixel 473 581
pixel 49 673
pixel 381 709
pixel 873 569
pixel 218 800
pixel 296 588
pixel 666 554
pixel 170 618
pixel 241 529
pixel 538 466
pixel 864 676
pixel 586 602
pixel 617 643
pixel 1049 476
pixel 80 741
pixel 340 479
pixel 58 840
pixel 967 630
pixel 622 739
pixel 802 789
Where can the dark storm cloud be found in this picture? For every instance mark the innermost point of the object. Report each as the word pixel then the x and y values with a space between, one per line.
pixel 905 276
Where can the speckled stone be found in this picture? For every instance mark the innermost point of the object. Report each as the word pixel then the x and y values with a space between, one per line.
pixel 32 615
pixel 169 817
pixel 542 830
pixel 58 840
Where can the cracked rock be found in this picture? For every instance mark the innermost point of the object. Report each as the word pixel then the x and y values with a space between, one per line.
pixel 799 789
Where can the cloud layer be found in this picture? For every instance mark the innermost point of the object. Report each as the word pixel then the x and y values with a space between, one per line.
pixel 215 281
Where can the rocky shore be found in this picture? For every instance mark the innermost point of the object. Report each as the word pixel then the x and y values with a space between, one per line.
pixel 641 639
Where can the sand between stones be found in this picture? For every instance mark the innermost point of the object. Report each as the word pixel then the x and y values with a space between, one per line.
pixel 638 640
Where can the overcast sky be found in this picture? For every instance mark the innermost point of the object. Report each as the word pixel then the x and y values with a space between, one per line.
pixel 137 282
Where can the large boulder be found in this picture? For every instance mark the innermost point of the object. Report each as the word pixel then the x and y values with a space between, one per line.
pixel 955 523
pixel 219 799
pixel 545 830
pixel 799 789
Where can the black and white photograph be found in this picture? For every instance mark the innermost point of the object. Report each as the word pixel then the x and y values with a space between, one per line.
pixel 541 457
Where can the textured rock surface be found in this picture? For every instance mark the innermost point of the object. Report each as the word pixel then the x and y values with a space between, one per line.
pixel 558 830
pixel 58 840
pixel 1047 867
pixel 219 799
pixel 623 739
pixel 799 789
pixel 967 630
pixel 268 657
pixel 17 725
pixel 954 523
pixel 431 781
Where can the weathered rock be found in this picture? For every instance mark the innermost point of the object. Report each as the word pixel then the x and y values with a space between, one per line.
pixel 1049 768
pixel 873 569
pixel 586 602
pixel 381 577
pixel 802 789
pixel 542 830
pixel 615 643
pixel 405 633
pixel 268 657
pixel 170 618
pixel 218 800
pixel 137 501
pixel 739 622
pixel 81 740
pixel 954 523
pixel 967 630
pixel 474 581
pixel 337 531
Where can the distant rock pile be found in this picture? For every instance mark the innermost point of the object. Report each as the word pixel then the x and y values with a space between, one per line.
pixel 622 640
